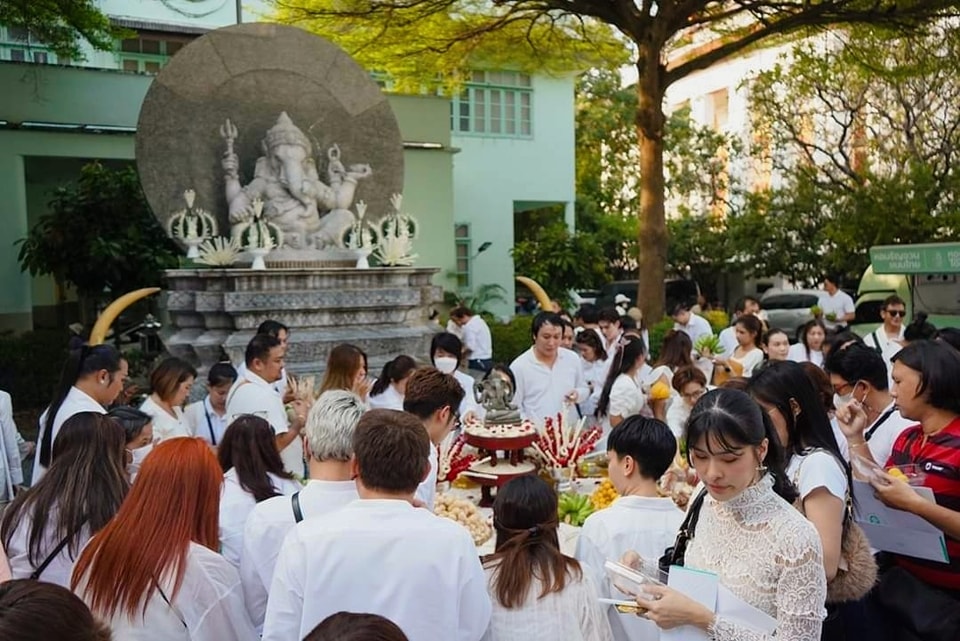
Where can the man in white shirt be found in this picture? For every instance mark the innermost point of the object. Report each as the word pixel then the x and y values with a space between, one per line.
pixel 859 378
pixel 254 393
pixel 328 440
pixel 728 337
pixel 11 471
pixel 282 333
pixel 433 397
pixel 691 324
pixel 380 554
pixel 611 328
pixel 640 451
pixel 836 305
pixel 477 342
pixel 888 338
pixel 549 379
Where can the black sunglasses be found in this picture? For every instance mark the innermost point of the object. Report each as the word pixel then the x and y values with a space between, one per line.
pixel 897 312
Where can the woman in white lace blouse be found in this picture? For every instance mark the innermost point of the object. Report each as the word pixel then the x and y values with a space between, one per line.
pixel 537 592
pixel 748 533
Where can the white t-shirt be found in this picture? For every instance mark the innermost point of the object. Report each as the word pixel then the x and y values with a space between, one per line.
pixel 427 491
pixel 573 614
pixel 882 433
pixel 60 567
pixel 644 524
pixel 541 389
pixel 817 469
pixel 164 425
pixel 204 422
pixel 208 607
pixel 469 402
pixel 11 470
pixel 798 354
pixel 728 340
pixel 477 339
pixel 235 506
pixel 749 361
pixel 696 327
pixel 878 339
pixel 677 415
pixel 267 526
pixel 384 557
pixel 839 304
pixel 251 394
pixel 626 398
pixel 75 402
pixel 389 399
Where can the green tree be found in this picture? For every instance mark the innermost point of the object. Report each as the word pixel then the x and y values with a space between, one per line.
pixel 61 25
pixel 869 154
pixel 560 260
pixel 100 237
pixel 666 40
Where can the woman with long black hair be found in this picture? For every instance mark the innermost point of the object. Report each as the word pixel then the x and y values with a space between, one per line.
pixel 44 529
pixel 622 395
pixel 537 591
pixel 91 379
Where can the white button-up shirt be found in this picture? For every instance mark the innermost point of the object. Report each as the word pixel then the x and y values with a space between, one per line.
pixel 541 389
pixel 11 470
pixel 383 557
pixel 204 422
pixel 696 327
pixel 267 527
pixel 75 402
pixel 477 339
pixel 251 394
pixel 236 503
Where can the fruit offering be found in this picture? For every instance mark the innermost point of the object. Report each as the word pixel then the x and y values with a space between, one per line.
pixel 659 391
pixel 574 508
pixel 466 514
pixel 604 495
pixel 708 345
pixel 896 472
pixel 816 311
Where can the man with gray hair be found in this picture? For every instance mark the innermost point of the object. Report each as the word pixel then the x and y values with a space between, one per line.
pixel 328 443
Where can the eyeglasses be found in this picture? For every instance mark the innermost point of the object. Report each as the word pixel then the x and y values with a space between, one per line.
pixel 838 389
pixel 693 396
pixel 897 312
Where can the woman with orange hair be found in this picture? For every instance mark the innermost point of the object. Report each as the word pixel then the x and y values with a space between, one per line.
pixel 154 572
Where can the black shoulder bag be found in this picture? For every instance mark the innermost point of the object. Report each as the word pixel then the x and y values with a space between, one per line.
pixel 674 555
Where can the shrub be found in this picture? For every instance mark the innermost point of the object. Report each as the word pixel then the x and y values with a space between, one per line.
pixel 511 339
pixel 657 332
pixel 718 319
pixel 31 366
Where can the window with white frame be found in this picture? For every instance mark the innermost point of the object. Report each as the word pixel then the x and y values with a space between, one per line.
pixel 461 235
pixel 494 103
pixel 147 53
pixel 17 44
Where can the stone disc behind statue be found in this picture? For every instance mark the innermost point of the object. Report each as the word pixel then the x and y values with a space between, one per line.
pixel 251 74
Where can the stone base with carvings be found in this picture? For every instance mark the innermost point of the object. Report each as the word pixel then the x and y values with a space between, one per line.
pixel 383 311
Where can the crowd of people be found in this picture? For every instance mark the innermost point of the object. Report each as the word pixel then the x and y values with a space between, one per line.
pixel 260 512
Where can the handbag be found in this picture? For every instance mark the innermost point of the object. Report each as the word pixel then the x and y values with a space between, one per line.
pixel 922 609
pixel 857 573
pixel 675 554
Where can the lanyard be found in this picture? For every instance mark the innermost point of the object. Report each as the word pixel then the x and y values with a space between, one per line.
pixel 213 437
pixel 880 421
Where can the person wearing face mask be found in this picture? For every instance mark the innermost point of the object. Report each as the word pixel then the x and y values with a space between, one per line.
pixel 446 355
pixel 45 528
pixel 431 397
pixel 139 430
pixel 747 532
pixel 207 418
pixel 549 379
pixel 170 383
pixel 858 375
pixel 91 380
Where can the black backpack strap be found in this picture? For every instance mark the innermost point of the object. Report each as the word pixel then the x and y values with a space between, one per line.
pixel 38 572
pixel 297 512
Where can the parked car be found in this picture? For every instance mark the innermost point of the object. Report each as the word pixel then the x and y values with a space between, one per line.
pixel 789 309
pixel 677 290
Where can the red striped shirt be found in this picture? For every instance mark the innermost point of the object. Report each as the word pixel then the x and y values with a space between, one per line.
pixel 939 457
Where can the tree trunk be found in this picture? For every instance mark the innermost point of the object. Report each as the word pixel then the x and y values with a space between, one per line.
pixel 652 239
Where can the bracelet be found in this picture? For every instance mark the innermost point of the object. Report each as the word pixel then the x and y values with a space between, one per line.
pixel 860 444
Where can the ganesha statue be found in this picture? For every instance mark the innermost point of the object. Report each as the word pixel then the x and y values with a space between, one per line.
pixel 311 213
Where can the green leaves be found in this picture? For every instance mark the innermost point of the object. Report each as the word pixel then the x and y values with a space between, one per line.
pixel 99 237
pixel 61 24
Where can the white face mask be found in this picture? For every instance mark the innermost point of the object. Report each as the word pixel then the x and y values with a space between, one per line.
pixel 446 364
pixel 138 455
pixel 840 401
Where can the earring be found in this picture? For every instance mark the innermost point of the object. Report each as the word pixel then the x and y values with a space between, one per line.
pixel 761 468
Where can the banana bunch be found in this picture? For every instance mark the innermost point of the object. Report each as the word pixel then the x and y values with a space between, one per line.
pixel 574 508
pixel 604 495
pixel 708 345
